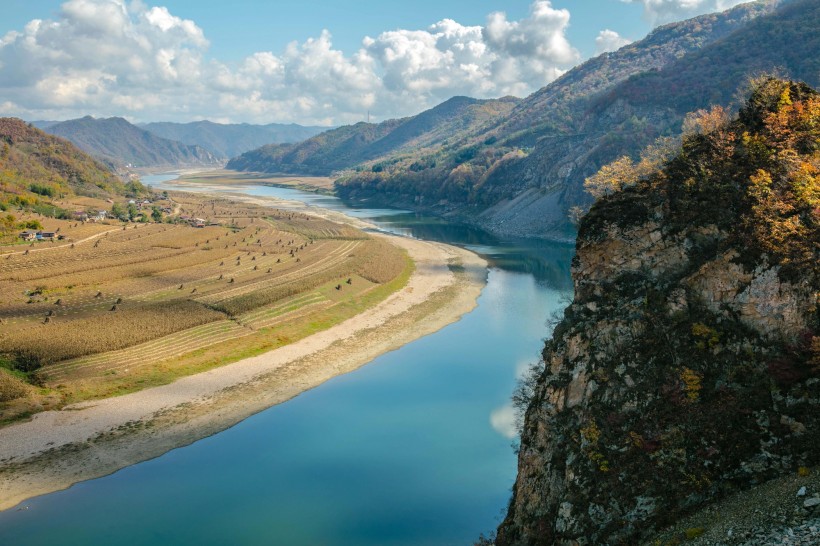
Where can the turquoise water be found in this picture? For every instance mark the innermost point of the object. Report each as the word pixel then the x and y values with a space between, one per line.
pixel 401 451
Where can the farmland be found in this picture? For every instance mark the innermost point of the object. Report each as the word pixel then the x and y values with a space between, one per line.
pixel 116 307
pixel 306 183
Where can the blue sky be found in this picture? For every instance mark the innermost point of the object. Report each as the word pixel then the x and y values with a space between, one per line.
pixel 305 61
pixel 241 27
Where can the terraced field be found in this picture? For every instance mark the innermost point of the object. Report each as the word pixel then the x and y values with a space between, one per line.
pixel 121 306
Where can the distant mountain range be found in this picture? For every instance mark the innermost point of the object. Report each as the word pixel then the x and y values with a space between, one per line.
pixel 230 140
pixel 351 145
pixel 519 166
pixel 119 143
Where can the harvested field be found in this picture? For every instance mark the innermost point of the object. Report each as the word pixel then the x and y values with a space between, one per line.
pixel 117 307
pixel 308 183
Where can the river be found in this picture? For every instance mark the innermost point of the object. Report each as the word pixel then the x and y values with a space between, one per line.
pixel 414 448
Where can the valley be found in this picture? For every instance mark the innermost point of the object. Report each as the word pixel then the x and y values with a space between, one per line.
pixel 550 277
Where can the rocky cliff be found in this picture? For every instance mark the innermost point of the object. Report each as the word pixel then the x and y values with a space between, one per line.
pixel 688 364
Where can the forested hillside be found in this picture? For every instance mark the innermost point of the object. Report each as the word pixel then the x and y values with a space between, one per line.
pixel 522 174
pixel 385 144
pixel 118 142
pixel 29 156
pixel 36 167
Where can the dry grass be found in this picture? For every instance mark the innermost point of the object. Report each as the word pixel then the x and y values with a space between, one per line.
pixel 379 262
pixel 12 387
pixel 64 338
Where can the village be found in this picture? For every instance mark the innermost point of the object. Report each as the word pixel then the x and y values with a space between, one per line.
pixel 158 209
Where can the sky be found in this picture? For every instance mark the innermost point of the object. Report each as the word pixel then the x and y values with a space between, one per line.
pixel 313 62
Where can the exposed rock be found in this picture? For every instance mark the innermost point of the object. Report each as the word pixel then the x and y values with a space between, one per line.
pixel 688 365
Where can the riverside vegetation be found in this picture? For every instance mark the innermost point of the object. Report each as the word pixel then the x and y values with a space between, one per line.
pixel 117 306
pixel 688 365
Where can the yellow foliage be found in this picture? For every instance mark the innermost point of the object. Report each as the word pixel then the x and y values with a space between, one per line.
pixel 694 532
pixel 591 433
pixel 611 178
pixel 705 122
pixel 691 383
pixel 623 172
pixel 705 333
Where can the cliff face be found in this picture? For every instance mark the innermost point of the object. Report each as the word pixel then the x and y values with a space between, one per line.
pixel 688 364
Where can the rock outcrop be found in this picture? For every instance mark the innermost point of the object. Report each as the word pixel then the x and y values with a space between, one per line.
pixel 688 365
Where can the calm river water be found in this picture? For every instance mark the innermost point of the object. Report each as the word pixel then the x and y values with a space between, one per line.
pixel 414 448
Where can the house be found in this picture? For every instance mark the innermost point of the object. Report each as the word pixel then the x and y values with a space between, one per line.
pixel 81 215
pixel 198 222
pixel 102 215
pixel 28 235
pixel 46 235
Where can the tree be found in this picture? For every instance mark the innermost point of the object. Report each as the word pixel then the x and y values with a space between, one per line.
pixel 623 172
pixel 156 214
pixel 117 211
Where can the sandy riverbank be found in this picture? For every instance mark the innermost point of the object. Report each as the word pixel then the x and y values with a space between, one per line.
pixel 56 449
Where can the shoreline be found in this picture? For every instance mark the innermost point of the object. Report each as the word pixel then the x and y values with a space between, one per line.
pixel 57 449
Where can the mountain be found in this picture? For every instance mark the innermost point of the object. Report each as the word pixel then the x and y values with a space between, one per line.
pixel 521 174
pixel 352 145
pixel 688 365
pixel 30 158
pixel 118 142
pixel 36 169
pixel 43 124
pixel 230 140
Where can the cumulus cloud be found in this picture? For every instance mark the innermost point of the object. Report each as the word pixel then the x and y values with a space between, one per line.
pixel 659 12
pixel 609 40
pixel 504 421
pixel 113 57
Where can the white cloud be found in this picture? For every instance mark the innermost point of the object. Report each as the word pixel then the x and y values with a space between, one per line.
pixel 504 421
pixel 659 12
pixel 113 57
pixel 609 40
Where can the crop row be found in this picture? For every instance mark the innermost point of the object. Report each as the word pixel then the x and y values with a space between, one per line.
pixel 71 338
pixel 263 293
pixel 149 352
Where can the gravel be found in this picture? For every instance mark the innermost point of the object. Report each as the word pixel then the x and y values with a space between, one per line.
pixel 785 511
